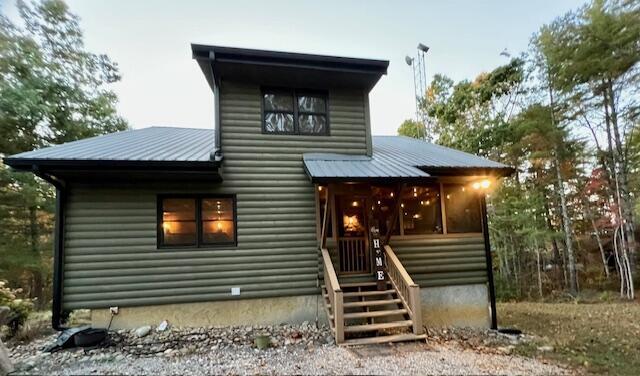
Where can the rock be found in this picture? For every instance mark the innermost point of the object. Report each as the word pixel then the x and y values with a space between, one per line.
pixel 142 331
pixel 164 325
pixel 545 348
pixel 6 366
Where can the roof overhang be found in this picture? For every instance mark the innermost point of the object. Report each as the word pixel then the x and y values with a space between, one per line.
pixel 469 171
pixel 119 170
pixel 274 68
pixel 333 168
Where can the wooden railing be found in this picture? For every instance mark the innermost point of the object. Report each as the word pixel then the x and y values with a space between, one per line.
pixel 354 255
pixel 408 291
pixel 336 299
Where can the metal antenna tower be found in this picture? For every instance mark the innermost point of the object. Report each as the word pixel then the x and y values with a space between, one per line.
pixel 420 85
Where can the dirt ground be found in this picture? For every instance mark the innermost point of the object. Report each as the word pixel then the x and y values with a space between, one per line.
pixel 597 338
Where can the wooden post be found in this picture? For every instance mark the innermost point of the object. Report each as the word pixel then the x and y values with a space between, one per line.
pixel 396 214
pixel 338 316
pixel 416 308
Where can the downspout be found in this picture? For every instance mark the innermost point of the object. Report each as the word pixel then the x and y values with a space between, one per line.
pixel 57 316
pixel 217 154
pixel 487 252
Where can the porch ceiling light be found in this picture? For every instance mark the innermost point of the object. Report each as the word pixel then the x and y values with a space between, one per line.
pixel 481 184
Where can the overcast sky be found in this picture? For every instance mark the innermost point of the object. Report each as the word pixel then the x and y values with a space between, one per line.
pixel 162 85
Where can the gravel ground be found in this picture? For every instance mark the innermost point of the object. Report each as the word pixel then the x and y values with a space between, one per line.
pixel 294 350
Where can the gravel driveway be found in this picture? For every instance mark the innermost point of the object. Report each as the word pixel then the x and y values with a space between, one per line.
pixel 403 359
pixel 293 350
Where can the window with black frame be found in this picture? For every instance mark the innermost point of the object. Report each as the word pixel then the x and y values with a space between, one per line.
pixel 295 112
pixel 196 221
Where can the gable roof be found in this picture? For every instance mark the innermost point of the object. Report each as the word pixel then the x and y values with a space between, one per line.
pixel 166 146
pixel 399 158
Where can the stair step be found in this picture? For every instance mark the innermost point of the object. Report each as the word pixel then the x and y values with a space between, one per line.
pixel 371 303
pixel 360 315
pixel 384 339
pixel 357 284
pixel 374 327
pixel 368 293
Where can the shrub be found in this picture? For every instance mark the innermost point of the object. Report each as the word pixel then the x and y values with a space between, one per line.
pixel 20 308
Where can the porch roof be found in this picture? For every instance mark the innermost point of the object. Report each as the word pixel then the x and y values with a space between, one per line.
pixel 399 158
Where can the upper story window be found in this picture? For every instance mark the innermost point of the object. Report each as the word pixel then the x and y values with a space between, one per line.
pixel 288 111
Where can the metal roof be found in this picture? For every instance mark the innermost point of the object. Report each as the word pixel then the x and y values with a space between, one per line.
pixel 409 151
pixel 147 145
pixel 286 68
pixel 398 157
pixel 394 157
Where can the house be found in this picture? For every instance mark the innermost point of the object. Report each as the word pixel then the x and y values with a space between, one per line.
pixel 288 210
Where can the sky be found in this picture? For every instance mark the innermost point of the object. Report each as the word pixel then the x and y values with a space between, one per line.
pixel 162 85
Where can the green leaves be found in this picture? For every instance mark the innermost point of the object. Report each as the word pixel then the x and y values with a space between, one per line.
pixel 52 90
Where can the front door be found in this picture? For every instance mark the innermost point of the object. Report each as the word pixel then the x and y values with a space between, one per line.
pixel 353 247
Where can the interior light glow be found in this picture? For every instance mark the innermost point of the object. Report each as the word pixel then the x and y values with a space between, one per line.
pixel 354 204
pixel 476 185
pixel 485 183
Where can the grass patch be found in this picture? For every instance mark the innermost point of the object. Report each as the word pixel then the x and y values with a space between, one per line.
pixel 602 337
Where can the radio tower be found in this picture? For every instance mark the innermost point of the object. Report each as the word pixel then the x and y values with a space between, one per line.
pixel 420 86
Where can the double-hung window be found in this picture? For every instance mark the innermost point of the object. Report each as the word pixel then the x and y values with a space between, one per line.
pixel 288 111
pixel 196 221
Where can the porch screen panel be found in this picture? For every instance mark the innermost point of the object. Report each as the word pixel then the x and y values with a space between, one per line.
pixel 384 204
pixel 462 208
pixel 421 211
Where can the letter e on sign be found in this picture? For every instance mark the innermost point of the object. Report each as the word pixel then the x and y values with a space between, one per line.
pixel 380 275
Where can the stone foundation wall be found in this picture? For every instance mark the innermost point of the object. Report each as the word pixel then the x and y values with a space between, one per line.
pixel 264 311
pixel 464 305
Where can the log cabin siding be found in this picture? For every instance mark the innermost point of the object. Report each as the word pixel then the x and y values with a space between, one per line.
pixel 443 260
pixel 111 255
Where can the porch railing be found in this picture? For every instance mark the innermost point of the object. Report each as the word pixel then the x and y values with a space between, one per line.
pixel 408 291
pixel 336 299
pixel 353 255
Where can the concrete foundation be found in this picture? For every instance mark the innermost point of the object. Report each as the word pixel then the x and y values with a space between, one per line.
pixel 267 311
pixel 463 306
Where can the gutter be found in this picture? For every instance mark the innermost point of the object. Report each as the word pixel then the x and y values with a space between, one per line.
pixel 57 314
pixel 489 261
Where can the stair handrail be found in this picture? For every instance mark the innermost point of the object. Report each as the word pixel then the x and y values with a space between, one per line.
pixel 408 291
pixel 336 298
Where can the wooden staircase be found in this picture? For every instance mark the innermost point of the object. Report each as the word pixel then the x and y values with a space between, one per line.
pixel 360 314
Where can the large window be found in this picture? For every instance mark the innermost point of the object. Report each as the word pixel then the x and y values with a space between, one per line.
pixel 196 221
pixel 295 112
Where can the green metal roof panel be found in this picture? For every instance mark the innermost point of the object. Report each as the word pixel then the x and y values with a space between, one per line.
pixel 395 157
pixel 165 144
pixel 409 151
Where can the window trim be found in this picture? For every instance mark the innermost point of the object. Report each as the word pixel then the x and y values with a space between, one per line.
pixel 296 112
pixel 198 219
